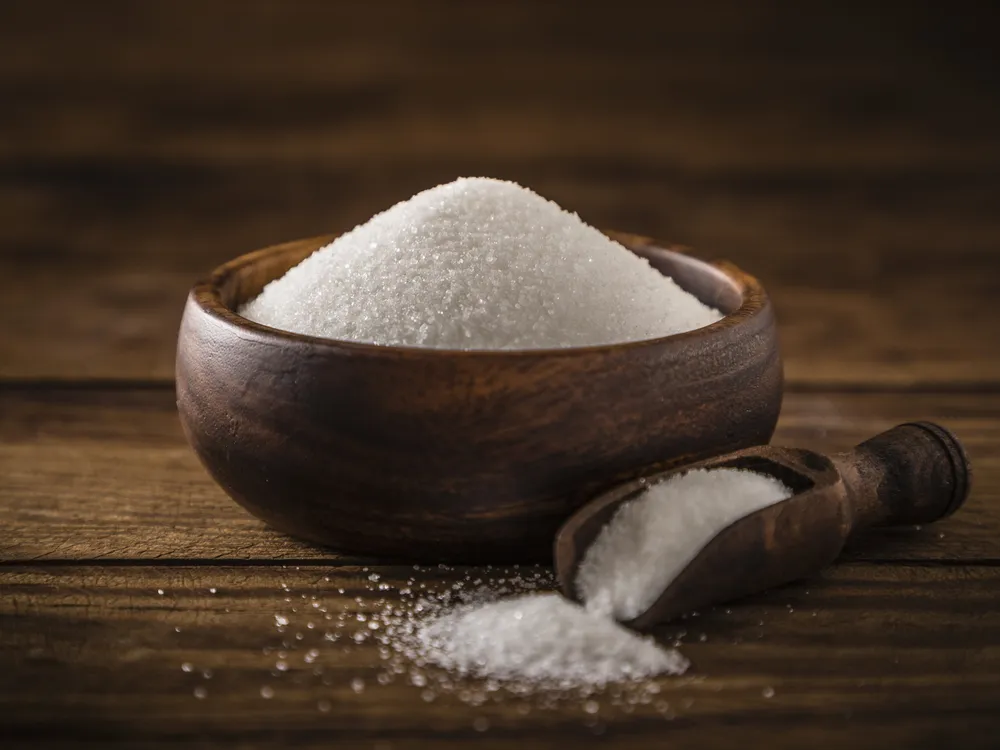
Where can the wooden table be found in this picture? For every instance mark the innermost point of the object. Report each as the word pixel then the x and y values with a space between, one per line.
pixel 849 157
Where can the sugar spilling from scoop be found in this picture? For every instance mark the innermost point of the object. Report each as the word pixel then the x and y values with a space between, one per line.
pixel 650 540
pixel 477 263
pixel 547 640
pixel 467 639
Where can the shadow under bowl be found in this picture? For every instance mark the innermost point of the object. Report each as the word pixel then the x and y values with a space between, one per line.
pixel 461 456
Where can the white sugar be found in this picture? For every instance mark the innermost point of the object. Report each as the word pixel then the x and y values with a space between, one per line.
pixel 452 632
pixel 478 264
pixel 543 640
pixel 651 539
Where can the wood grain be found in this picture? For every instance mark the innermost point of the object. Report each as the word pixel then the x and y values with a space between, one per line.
pixel 855 655
pixel 842 168
pixel 90 474
pixel 844 153
pixel 526 73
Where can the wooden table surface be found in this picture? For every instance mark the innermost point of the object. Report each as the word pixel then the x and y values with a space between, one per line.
pixel 848 155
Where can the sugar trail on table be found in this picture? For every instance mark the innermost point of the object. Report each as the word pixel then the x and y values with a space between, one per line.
pixel 477 263
pixel 651 539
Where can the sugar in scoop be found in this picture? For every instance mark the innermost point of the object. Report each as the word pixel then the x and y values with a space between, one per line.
pixel 655 548
pixel 478 264
pixel 651 539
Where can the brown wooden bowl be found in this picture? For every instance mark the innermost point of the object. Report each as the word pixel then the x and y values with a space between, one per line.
pixel 442 455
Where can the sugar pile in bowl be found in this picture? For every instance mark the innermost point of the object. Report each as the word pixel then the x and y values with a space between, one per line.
pixel 477 263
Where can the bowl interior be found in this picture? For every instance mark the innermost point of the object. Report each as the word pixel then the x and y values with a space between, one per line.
pixel 245 278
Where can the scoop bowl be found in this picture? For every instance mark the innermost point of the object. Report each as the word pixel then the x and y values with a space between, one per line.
pixel 461 456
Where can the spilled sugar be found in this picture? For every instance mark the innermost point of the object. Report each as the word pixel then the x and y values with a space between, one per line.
pixel 500 634
pixel 651 539
pixel 485 639
pixel 477 264
pixel 323 647
pixel 542 641
pixel 545 641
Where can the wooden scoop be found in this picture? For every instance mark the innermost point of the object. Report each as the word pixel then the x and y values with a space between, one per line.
pixel 912 474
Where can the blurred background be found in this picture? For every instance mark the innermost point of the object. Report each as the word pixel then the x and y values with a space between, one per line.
pixel 847 153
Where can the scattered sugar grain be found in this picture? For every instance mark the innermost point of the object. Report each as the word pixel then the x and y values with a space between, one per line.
pixel 481 724
pixel 651 539
pixel 477 264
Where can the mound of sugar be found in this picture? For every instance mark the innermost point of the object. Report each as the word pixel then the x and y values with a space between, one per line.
pixel 651 539
pixel 477 264
pixel 544 641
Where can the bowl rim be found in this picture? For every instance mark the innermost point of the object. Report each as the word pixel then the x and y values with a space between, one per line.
pixel 206 294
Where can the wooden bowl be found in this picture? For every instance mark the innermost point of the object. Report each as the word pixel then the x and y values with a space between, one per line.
pixel 440 455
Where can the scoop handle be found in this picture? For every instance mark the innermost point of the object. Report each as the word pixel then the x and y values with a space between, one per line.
pixel 914 473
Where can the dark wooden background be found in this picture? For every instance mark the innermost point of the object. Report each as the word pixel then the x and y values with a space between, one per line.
pixel 848 154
